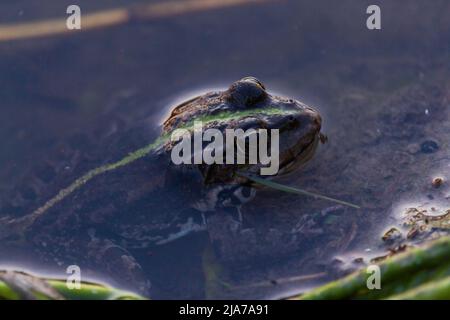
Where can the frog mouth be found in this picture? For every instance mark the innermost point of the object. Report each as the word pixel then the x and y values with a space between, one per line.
pixel 296 157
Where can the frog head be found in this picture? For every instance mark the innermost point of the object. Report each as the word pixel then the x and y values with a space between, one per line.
pixel 246 105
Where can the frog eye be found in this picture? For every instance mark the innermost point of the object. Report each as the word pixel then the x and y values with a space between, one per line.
pixel 254 80
pixel 247 91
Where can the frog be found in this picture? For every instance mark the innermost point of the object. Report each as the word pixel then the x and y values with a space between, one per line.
pixel 126 193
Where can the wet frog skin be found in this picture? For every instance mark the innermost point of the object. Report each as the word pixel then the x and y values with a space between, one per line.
pixel 128 194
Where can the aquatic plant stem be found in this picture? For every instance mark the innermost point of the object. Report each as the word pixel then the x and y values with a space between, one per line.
pixel 15 285
pixel 114 17
pixel 395 270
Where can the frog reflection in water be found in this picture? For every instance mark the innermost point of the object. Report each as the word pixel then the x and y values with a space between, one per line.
pixel 141 199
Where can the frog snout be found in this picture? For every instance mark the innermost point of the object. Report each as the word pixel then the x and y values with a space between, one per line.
pixel 308 118
pixel 317 120
pixel 312 117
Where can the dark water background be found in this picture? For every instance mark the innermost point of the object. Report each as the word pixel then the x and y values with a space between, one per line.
pixel 372 88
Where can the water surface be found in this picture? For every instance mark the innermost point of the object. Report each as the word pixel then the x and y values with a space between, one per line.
pixel 383 96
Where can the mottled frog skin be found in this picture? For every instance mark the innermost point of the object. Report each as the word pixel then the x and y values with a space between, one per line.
pixel 92 208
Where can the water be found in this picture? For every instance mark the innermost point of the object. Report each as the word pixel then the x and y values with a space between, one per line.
pixel 383 96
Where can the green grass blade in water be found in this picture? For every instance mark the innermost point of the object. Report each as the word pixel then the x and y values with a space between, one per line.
pixel 294 190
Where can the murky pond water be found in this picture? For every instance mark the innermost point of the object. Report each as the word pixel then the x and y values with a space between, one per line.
pixel 384 97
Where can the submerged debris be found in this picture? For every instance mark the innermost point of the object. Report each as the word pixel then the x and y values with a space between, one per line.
pixel 392 251
pixel 417 225
pixel 429 146
pixel 391 235
pixel 419 221
pixel 437 182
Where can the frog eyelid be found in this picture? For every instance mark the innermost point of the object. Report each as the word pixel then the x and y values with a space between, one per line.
pixel 253 79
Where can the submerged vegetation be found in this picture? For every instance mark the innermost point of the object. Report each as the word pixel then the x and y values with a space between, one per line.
pixel 420 273
pixel 16 285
